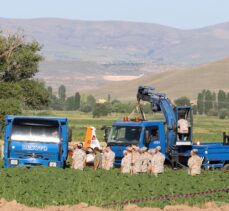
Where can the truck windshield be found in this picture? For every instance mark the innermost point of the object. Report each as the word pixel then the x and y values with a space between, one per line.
pixel 124 135
pixel 35 133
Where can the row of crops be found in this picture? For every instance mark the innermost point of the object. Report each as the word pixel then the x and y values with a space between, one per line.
pixel 40 187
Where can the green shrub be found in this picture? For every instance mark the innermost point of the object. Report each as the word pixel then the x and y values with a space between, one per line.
pixel 100 110
pixel 182 101
pixel 222 113
pixel 212 112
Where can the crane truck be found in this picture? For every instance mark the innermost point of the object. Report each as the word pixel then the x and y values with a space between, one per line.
pixel 164 133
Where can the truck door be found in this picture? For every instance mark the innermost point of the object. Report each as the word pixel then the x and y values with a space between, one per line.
pixel 152 136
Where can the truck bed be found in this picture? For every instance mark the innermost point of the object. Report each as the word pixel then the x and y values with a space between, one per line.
pixel 214 154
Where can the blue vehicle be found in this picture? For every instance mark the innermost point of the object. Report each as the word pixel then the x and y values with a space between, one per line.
pixel 35 141
pixel 165 133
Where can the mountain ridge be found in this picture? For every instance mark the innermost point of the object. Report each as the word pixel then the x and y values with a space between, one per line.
pixel 83 54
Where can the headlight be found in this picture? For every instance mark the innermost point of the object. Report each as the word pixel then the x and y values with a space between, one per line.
pixel 52 164
pixel 14 162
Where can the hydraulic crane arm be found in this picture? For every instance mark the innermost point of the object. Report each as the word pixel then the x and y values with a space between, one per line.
pixel 159 102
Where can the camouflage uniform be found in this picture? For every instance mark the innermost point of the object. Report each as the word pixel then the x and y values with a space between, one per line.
pixel 108 160
pixel 144 161
pixel 156 162
pixel 79 159
pixel 182 126
pixel 194 164
pixel 126 163
pixel 160 162
pixel 135 162
pixel 149 156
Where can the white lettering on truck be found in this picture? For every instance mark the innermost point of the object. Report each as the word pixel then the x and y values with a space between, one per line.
pixel 34 147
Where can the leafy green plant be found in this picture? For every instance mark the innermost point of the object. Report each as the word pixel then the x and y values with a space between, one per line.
pixel 39 187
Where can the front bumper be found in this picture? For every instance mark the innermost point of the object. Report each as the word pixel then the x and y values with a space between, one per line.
pixel 32 163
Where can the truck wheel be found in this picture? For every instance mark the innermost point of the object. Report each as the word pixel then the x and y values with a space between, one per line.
pixel 226 167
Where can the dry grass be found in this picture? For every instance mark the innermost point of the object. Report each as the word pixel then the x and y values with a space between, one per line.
pixel 182 82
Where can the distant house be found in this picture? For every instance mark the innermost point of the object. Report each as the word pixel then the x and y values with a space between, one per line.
pixel 101 101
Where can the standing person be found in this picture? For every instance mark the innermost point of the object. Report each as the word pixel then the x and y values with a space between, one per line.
pixel 152 162
pixel 157 162
pixel 90 157
pixel 160 160
pixel 144 160
pixel 126 161
pixel 98 159
pixel 183 128
pixel 194 163
pixel 79 157
pixel 108 158
pixel 135 160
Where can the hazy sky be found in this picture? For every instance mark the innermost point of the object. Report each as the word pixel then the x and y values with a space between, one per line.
pixel 176 13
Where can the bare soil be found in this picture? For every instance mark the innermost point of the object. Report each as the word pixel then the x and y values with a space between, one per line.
pixel 13 205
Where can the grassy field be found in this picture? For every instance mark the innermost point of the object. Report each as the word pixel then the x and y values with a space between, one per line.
pixel 206 129
pixel 39 187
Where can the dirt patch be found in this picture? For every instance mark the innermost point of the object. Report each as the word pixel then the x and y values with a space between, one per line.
pixel 206 207
pixel 121 77
pixel 13 205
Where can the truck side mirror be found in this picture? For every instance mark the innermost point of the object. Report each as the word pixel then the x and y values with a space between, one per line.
pixel 225 139
pixel 69 134
pixel 107 130
pixel 147 138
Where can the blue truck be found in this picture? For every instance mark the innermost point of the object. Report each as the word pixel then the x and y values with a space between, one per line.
pixel 35 141
pixel 165 133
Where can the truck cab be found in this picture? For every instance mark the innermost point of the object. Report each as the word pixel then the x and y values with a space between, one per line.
pixel 35 141
pixel 141 133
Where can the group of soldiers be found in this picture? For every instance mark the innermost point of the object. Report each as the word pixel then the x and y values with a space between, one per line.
pixel 104 159
pixel 135 160
pixel 140 160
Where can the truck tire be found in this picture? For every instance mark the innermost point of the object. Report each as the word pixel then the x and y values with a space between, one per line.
pixel 226 167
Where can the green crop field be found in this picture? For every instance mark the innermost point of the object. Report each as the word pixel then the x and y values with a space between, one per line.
pixel 39 187
pixel 206 129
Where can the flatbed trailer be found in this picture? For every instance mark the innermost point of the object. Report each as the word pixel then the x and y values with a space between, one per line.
pixel 215 155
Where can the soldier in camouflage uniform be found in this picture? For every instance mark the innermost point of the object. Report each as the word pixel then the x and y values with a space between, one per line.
pixel 194 163
pixel 157 162
pixel 161 158
pixel 108 158
pixel 135 160
pixel 79 157
pixel 152 161
pixel 144 160
pixel 126 160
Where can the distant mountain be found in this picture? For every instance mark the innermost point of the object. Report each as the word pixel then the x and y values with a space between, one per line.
pixel 105 42
pixel 184 82
pixel 80 53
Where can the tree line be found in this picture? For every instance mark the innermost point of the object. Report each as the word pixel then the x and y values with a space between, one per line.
pixel 213 104
pixel 209 103
pixel 86 103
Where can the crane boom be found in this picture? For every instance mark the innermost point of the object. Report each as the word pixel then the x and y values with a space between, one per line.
pixel 160 102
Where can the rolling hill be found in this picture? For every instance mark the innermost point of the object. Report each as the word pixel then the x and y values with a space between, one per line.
pixel 183 82
pixel 86 54
pixel 109 42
